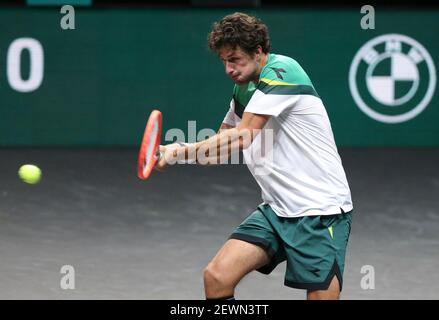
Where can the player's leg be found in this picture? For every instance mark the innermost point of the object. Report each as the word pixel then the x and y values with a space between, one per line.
pixel 232 262
pixel 253 245
pixel 316 248
pixel 332 293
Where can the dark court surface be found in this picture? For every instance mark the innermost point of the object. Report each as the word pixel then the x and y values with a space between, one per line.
pixel 133 239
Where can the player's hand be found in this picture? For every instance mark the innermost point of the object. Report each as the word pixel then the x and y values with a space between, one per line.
pixel 168 156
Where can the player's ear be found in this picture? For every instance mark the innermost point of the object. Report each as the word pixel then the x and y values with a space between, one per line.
pixel 258 53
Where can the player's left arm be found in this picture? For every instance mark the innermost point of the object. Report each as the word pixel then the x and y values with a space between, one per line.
pixel 218 147
pixel 225 126
pixel 239 137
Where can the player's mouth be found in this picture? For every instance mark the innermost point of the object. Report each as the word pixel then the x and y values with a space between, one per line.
pixel 235 78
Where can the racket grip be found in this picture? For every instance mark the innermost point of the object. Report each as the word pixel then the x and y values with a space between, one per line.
pixel 159 155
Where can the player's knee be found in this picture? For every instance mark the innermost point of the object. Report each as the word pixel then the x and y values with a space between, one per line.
pixel 214 276
pixel 332 293
pixel 323 295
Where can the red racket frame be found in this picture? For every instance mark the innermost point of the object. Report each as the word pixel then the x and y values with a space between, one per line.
pixel 143 171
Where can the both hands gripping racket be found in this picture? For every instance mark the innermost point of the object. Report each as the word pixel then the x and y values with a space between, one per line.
pixel 149 154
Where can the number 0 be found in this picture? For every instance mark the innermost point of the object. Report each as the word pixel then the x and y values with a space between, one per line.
pixel 36 64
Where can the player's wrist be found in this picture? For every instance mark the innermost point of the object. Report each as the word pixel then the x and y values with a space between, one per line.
pixel 185 153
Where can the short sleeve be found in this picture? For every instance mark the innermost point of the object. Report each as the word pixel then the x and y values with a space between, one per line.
pixel 281 86
pixel 230 115
pixel 270 104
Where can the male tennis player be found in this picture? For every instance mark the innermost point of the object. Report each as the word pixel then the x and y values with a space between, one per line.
pixel 305 217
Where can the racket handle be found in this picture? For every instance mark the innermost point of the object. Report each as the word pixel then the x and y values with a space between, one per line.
pixel 159 155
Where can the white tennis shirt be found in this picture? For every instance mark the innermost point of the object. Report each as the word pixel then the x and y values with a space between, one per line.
pixel 294 159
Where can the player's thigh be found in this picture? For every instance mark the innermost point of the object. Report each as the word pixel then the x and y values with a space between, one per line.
pixel 237 258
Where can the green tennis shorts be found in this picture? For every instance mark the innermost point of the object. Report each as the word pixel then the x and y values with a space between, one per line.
pixel 314 247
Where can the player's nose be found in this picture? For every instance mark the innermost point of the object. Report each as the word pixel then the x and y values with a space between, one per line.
pixel 229 69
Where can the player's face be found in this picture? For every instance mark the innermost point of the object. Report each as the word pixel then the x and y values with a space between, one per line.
pixel 239 65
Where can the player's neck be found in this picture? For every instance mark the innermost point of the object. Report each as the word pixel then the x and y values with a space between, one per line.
pixel 264 59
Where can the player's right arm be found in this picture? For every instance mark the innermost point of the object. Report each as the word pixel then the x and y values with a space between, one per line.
pixel 228 123
pixel 218 147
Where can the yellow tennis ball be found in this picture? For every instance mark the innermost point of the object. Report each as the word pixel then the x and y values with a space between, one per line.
pixel 30 173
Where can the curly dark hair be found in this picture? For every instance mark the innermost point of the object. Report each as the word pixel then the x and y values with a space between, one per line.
pixel 239 29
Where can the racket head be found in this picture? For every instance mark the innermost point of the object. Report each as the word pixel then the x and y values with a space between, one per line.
pixel 148 157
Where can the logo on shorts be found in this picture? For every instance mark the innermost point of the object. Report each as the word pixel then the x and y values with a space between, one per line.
pixel 316 272
pixel 392 78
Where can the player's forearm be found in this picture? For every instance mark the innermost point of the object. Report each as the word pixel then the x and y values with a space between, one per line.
pixel 217 148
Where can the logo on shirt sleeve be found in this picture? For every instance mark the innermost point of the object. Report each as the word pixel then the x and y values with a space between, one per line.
pixel 278 72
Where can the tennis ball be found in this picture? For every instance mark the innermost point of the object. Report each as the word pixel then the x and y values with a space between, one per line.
pixel 30 173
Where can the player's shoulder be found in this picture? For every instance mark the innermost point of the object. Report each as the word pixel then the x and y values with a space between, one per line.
pixel 283 69
pixel 275 59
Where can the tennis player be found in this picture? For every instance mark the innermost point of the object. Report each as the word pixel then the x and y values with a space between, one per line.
pixel 305 217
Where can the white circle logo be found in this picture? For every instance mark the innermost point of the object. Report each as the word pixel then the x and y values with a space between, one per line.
pixel 392 78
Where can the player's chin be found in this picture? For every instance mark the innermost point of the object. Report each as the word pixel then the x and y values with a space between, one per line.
pixel 240 81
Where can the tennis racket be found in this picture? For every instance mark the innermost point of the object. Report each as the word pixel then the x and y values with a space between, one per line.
pixel 149 154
